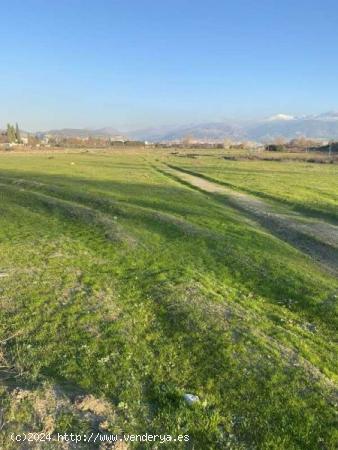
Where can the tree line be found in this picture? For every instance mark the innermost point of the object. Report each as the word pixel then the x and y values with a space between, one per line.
pixel 13 133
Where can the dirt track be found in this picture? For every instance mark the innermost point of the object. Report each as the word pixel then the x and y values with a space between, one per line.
pixel 314 237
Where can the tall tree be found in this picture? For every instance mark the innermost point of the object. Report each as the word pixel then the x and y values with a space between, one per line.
pixel 17 133
pixel 10 133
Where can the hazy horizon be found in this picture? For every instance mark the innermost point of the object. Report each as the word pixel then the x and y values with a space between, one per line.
pixel 182 124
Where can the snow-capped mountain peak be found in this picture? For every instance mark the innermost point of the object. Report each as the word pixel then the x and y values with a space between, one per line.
pixel 280 117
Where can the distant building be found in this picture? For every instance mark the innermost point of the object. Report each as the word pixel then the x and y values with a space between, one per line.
pixel 45 139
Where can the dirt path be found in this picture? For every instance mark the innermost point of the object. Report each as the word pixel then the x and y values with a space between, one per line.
pixel 314 237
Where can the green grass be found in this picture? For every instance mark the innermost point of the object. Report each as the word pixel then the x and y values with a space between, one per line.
pixel 128 285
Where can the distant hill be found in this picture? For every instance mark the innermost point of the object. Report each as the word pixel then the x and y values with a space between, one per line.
pixel 320 127
pixel 205 131
pixel 84 132
pixel 323 126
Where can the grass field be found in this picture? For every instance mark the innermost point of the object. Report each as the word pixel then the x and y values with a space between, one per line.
pixel 128 279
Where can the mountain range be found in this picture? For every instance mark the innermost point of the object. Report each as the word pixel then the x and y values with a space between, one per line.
pixel 322 126
pixel 82 132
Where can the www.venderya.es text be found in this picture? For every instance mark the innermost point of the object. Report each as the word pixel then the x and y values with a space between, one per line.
pixel 98 437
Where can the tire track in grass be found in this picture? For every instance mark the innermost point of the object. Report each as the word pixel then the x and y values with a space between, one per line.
pixel 294 207
pixel 319 229
pixel 72 211
pixel 317 239
pixel 97 211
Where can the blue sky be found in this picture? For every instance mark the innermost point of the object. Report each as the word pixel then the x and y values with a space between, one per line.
pixel 139 63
